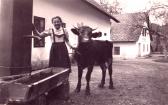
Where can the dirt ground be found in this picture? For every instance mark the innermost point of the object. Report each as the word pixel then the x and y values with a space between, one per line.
pixel 143 81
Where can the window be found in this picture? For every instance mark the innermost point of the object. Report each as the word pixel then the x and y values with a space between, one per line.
pixel 39 23
pixel 144 32
pixel 116 50
pixel 105 34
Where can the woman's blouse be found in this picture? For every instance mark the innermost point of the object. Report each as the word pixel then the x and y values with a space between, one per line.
pixel 60 35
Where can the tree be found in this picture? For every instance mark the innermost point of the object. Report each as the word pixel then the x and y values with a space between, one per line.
pixel 113 8
pixel 159 13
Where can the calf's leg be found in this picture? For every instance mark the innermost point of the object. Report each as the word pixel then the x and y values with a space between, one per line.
pixel 80 72
pixel 88 76
pixel 103 68
pixel 110 74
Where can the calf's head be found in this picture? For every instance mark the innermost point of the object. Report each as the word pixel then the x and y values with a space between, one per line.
pixel 85 33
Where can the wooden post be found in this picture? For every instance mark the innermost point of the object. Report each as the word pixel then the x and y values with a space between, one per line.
pixel 15 51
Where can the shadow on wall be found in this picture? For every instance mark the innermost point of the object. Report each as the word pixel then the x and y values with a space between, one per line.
pixel 39 64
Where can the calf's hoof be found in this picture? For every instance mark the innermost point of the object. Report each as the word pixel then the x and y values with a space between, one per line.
pixel 87 93
pixel 77 90
pixel 111 87
pixel 101 85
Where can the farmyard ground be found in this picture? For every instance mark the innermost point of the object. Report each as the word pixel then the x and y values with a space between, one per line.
pixel 137 82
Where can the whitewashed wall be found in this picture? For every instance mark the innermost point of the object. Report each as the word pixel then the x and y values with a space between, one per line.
pixel 127 50
pixel 145 44
pixel 131 50
pixel 72 12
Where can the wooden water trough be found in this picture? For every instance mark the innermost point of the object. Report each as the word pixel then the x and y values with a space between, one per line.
pixel 32 89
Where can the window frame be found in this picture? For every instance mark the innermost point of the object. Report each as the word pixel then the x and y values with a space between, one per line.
pixel 117 50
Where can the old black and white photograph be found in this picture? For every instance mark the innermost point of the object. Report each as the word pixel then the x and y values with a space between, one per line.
pixel 83 52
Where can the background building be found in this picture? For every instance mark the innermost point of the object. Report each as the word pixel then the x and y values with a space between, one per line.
pixel 129 40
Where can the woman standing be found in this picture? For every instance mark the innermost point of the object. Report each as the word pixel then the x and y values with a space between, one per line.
pixel 59 56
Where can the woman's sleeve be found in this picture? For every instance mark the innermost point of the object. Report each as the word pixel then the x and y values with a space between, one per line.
pixel 46 33
pixel 67 39
pixel 66 35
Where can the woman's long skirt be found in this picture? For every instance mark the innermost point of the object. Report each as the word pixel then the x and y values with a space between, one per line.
pixel 59 56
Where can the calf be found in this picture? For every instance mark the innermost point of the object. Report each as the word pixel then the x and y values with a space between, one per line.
pixel 89 52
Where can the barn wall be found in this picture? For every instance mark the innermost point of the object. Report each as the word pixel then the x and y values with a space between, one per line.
pixel 128 50
pixel 72 12
pixel 132 50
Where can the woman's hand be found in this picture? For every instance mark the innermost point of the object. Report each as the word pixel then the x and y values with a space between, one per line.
pixel 35 31
pixel 73 48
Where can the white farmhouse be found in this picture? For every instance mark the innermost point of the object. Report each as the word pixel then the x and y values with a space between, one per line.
pixel 129 40
pixel 73 12
pixel 16 52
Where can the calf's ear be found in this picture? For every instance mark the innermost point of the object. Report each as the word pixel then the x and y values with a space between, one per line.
pixel 96 34
pixel 75 31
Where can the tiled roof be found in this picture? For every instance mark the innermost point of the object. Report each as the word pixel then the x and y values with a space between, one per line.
pixel 126 31
pixel 98 7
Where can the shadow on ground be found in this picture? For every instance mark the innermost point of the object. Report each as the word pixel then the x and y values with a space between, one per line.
pixel 162 60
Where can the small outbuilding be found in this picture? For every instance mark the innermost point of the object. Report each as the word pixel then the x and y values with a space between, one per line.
pixel 130 40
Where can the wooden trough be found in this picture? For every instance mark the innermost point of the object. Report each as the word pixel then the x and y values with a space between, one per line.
pixel 33 88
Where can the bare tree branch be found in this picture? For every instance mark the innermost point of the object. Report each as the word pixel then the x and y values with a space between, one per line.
pixel 113 8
